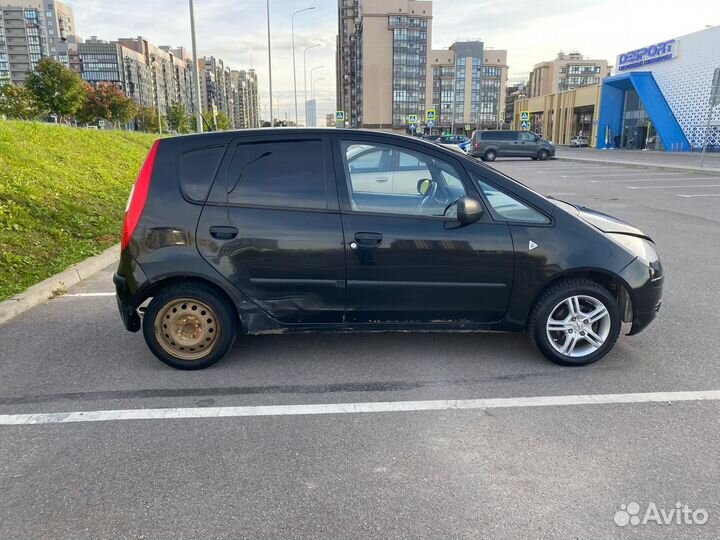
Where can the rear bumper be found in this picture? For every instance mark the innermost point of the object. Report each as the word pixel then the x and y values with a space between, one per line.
pixel 646 288
pixel 128 313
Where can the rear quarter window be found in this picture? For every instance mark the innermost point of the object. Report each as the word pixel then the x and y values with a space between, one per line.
pixel 197 169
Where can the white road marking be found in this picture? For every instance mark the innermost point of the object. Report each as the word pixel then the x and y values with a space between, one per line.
pixel 660 175
pixel 700 195
pixel 674 187
pixel 669 179
pixel 87 295
pixel 353 408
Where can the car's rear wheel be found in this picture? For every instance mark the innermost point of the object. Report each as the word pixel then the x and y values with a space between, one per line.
pixel 189 326
pixel 543 155
pixel 490 155
pixel 575 322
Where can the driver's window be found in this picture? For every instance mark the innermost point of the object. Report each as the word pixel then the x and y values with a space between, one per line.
pixel 527 137
pixel 408 182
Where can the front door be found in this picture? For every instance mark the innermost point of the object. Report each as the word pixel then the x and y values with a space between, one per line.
pixel 529 146
pixel 408 258
pixel 272 228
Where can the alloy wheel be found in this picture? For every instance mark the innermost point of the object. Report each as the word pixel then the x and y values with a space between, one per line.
pixel 578 326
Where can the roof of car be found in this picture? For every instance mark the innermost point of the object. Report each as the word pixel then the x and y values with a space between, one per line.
pixel 296 131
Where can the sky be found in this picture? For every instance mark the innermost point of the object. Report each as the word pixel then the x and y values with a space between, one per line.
pixel 532 31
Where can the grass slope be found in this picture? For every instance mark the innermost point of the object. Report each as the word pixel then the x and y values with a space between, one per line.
pixel 62 196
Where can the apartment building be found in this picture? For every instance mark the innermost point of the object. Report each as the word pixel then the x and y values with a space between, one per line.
pixel 468 86
pixel 382 61
pixel 31 30
pixel 566 72
pixel 246 112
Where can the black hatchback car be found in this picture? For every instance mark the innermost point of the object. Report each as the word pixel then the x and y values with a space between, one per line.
pixel 296 230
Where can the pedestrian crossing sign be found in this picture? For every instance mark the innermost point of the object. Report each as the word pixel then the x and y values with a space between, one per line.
pixel 524 116
pixel 412 118
pixel 340 116
pixel 430 115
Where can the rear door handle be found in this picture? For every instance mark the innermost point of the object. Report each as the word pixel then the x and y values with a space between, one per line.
pixel 382 179
pixel 223 233
pixel 368 239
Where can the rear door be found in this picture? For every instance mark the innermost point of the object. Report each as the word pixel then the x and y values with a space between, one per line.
pixel 272 227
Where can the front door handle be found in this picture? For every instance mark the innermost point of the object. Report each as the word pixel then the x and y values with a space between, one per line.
pixel 223 233
pixel 368 238
pixel 382 179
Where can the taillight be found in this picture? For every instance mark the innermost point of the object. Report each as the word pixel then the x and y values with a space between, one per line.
pixel 138 196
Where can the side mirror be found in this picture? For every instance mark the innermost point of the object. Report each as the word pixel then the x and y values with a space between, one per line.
pixel 468 210
pixel 423 185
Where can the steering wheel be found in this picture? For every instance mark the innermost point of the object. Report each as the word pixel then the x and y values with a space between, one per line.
pixel 428 197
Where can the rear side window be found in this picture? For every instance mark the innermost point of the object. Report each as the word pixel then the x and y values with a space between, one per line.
pixel 197 169
pixel 286 174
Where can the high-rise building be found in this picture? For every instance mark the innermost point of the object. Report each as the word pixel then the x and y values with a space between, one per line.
pixel 513 93
pixel 566 72
pixel 245 99
pixel 468 86
pixel 382 61
pixel 31 30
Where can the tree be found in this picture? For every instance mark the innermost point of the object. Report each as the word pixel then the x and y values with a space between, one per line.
pixel 146 119
pixel 18 102
pixel 106 102
pixel 177 118
pixel 222 122
pixel 59 90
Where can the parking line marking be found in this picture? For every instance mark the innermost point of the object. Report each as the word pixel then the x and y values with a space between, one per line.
pixel 86 295
pixel 701 195
pixel 353 408
pixel 660 175
pixel 673 187
pixel 669 179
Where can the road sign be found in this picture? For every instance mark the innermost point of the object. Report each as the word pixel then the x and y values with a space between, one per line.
pixel 101 123
pixel 525 125
pixel 413 127
pixel 467 127
pixel 524 116
pixel 715 89
pixel 412 118
pixel 430 123
pixel 430 115
pixel 339 116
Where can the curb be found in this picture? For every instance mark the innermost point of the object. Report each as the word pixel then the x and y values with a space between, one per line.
pixel 46 289
pixel 636 165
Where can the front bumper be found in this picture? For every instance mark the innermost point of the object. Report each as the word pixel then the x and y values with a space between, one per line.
pixel 646 288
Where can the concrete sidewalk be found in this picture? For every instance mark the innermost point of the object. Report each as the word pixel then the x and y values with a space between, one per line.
pixel 685 162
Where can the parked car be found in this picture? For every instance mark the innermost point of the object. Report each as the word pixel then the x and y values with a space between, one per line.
pixel 296 230
pixel 579 141
pixel 491 144
pixel 430 137
pixel 460 140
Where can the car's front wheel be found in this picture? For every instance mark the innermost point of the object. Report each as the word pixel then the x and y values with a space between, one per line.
pixel 189 326
pixel 575 322
pixel 543 155
pixel 490 155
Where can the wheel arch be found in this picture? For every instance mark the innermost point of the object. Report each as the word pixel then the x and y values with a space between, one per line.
pixel 154 288
pixel 612 282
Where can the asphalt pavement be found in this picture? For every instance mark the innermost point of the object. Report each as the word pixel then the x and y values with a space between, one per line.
pixel 508 472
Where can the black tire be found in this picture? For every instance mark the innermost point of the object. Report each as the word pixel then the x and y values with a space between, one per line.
pixel 553 297
pixel 534 158
pixel 543 155
pixel 490 155
pixel 211 307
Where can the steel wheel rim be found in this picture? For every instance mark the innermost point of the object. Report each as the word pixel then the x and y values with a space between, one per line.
pixel 578 326
pixel 187 329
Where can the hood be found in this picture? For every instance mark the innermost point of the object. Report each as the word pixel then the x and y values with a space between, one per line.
pixel 604 222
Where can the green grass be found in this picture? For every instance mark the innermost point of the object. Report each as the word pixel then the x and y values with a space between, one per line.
pixel 62 196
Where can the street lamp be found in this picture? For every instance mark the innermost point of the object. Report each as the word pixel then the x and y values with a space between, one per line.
pixel 292 28
pixel 305 76
pixel 196 71
pixel 154 64
pixel 272 118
